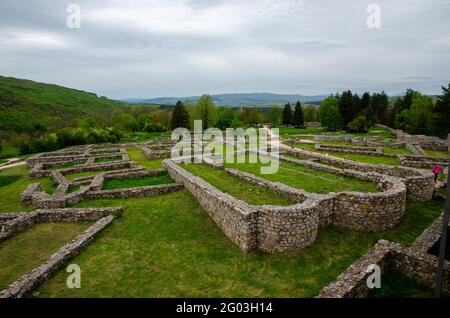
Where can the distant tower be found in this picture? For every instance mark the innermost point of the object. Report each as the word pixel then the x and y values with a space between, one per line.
pixel 240 110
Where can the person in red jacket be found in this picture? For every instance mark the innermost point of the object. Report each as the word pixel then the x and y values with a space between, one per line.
pixel 436 171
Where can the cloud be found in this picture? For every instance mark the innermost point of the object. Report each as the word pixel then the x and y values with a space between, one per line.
pixel 152 48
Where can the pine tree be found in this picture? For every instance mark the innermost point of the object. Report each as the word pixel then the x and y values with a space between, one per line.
pixel 298 120
pixel 287 115
pixel 346 107
pixel 365 101
pixel 442 113
pixel 180 116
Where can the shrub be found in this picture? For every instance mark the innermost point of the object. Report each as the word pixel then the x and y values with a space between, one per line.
pixel 358 125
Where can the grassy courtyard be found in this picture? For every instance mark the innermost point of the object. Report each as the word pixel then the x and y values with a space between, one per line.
pixel 29 249
pixel 248 192
pixel 167 246
pixel 356 157
pixel 112 184
pixel 308 179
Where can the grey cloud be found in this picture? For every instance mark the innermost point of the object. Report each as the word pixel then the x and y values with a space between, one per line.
pixel 227 46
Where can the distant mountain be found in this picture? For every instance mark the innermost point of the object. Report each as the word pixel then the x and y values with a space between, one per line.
pixel 25 104
pixel 235 100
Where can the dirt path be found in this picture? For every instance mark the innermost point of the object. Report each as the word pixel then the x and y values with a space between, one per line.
pixel 12 162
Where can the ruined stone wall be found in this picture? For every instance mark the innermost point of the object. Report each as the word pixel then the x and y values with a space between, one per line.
pixel 280 228
pixel 414 262
pixel 419 184
pixel 237 219
pixel 27 282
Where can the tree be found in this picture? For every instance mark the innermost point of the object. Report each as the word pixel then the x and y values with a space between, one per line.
pixel 379 103
pixel 275 116
pixel 358 125
pixel 329 114
pixel 206 111
pixel 310 113
pixel 365 101
pixel 419 118
pixel 442 113
pixel 370 115
pixel 346 107
pixel 180 116
pixel 225 117
pixel 287 115
pixel 298 120
pixel 125 122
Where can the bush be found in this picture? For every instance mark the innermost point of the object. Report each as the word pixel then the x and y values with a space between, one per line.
pixel 358 125
pixel 154 127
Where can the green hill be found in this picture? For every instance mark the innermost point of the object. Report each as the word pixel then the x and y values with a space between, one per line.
pixel 25 105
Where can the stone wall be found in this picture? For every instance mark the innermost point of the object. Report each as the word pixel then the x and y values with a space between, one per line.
pixel 91 188
pixel 14 223
pixel 27 282
pixel 285 228
pixel 414 262
pixel 419 184
pixel 352 282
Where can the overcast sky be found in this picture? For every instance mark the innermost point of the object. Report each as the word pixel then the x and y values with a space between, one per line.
pixel 137 49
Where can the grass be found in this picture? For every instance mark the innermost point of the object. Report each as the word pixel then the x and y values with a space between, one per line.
pixel 106 160
pixel 73 188
pixel 308 179
pixel 9 152
pixel 30 248
pixel 15 180
pixel 140 136
pixel 248 192
pixel 286 131
pixel 137 155
pixel 394 285
pixel 437 153
pixel 3 161
pixel 356 157
pixel 64 166
pixel 111 184
pixel 148 254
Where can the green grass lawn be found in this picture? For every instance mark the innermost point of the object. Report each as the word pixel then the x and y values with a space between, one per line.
pixel 438 153
pixel 395 285
pixel 286 131
pixel 167 246
pixel 106 160
pixel 137 155
pixel 3 161
pixel 15 180
pixel 64 166
pixel 111 184
pixel 140 136
pixel 356 157
pixel 32 247
pixel 248 192
pixel 9 152
pixel 308 179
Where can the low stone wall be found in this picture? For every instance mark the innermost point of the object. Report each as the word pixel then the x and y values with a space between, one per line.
pixel 91 188
pixel 352 282
pixel 39 171
pixel 27 282
pixel 279 228
pixel 17 222
pixel 419 185
pixel 138 192
pixel 414 262
pixel 156 154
